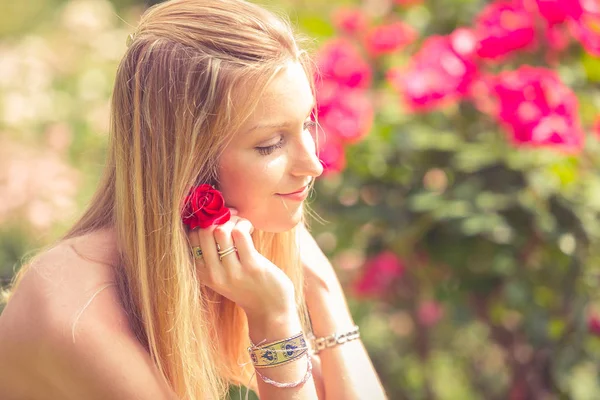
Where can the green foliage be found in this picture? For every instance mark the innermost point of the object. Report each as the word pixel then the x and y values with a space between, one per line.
pixel 505 239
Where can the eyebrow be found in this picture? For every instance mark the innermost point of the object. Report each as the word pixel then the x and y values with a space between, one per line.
pixel 278 125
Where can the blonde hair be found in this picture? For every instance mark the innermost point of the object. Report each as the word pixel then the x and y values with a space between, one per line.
pixel 175 106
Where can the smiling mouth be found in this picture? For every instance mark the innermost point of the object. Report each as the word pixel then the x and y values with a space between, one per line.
pixel 296 192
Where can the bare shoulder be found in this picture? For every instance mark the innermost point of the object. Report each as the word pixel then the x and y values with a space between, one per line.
pixel 64 334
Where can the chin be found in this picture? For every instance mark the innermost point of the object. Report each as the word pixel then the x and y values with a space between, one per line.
pixel 279 225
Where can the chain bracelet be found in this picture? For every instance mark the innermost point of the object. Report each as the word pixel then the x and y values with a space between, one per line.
pixel 335 339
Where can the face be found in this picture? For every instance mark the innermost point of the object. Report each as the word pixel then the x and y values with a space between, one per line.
pixel 265 169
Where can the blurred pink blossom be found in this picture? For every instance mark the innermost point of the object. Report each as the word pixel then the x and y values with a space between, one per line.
pixel 441 71
pixel 535 107
pixel 594 324
pixel 502 28
pixel 558 11
pixel 555 13
pixel 388 38
pixel 596 127
pixel 35 186
pixel 557 37
pixel 340 61
pixel 429 313
pixel 407 3
pixel 344 113
pixel 379 273
pixel 345 108
pixel 581 16
pixel 587 29
pixel 332 155
pixel 350 20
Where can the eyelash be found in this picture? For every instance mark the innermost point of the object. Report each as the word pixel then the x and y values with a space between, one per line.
pixel 265 151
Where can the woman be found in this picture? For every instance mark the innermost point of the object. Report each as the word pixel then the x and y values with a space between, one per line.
pixel 136 302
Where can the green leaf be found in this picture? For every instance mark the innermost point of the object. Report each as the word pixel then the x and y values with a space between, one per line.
pixel 591 66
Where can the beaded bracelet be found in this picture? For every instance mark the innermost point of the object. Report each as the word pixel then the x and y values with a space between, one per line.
pixel 302 381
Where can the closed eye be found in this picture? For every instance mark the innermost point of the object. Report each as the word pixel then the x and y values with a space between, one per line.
pixel 266 150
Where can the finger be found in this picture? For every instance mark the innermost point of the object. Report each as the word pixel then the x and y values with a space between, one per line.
pixel 194 241
pixel 241 235
pixel 222 234
pixel 209 252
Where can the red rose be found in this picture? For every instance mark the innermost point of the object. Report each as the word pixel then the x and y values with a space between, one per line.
pixel 205 206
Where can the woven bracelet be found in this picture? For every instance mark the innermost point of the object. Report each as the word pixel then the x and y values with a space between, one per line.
pixel 279 352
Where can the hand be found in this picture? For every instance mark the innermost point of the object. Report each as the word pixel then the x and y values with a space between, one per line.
pixel 245 277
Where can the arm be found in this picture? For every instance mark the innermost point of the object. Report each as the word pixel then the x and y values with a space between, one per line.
pixel 266 295
pixel 271 328
pixel 347 371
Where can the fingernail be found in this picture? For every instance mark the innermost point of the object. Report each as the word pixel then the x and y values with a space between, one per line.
pixel 233 211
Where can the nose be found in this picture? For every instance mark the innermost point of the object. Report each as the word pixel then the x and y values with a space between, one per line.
pixel 305 161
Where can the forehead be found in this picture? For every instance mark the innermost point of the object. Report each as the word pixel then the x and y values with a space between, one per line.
pixel 287 98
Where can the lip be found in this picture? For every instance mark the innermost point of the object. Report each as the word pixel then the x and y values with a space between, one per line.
pixel 298 195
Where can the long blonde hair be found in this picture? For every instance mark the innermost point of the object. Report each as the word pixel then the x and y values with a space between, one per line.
pixel 175 106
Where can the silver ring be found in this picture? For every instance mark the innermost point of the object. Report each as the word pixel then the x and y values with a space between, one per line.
pixel 226 252
pixel 221 252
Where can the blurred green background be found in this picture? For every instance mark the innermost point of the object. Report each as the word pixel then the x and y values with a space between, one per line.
pixel 471 265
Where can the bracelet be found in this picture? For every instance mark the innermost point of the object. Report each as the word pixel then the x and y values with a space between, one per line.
pixel 279 352
pixel 333 340
pixel 307 375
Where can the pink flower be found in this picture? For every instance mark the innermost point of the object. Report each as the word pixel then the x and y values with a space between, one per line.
pixel 407 3
pixel 429 313
pixel 596 127
pixel 379 273
pixel 581 16
pixel 535 107
pixel 441 72
pixel 502 28
pixel 350 20
pixel 558 11
pixel 594 324
pixel 554 13
pixel 345 113
pixel 331 154
pixel 340 61
pixel 587 30
pixel 557 37
pixel 388 38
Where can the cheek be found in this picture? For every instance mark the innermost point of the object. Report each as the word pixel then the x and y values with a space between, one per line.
pixel 247 182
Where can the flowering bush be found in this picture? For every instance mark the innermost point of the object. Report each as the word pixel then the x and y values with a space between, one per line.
pixel 465 202
pixel 463 186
